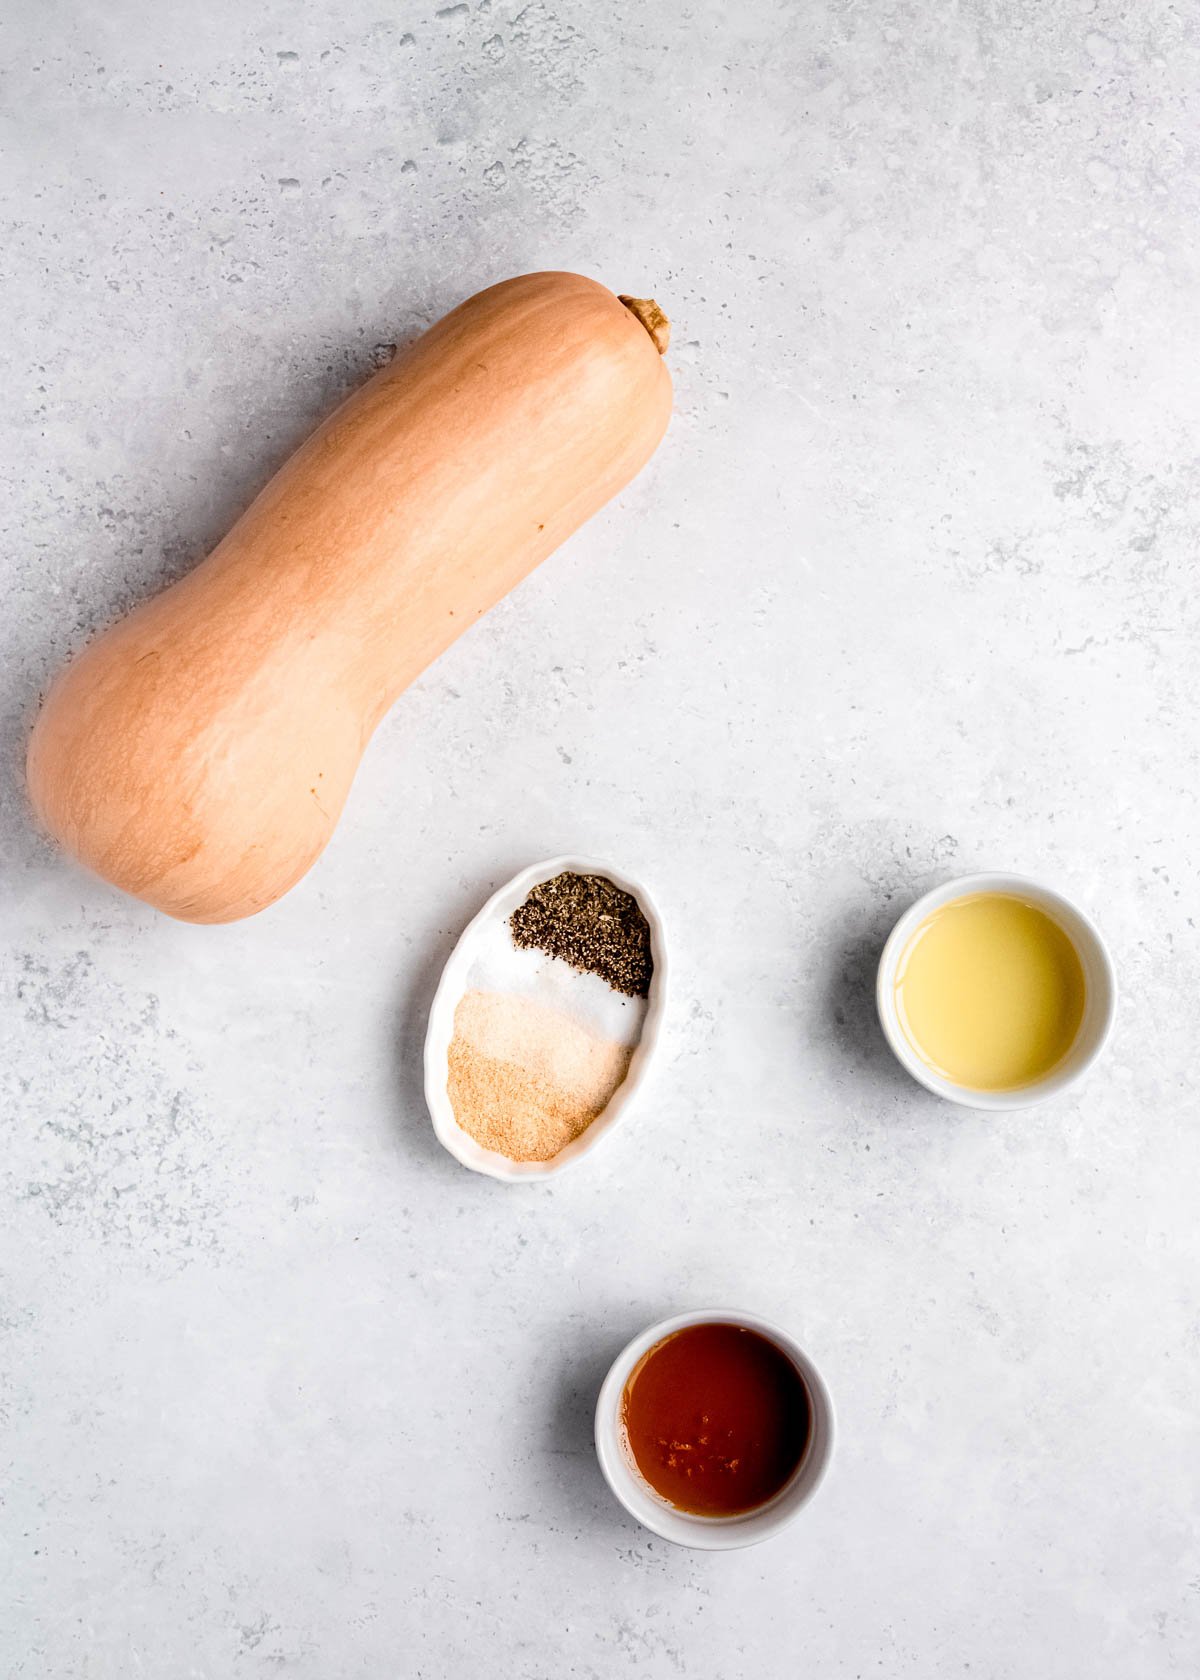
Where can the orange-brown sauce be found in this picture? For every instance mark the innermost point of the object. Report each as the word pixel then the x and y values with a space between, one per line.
pixel 717 1419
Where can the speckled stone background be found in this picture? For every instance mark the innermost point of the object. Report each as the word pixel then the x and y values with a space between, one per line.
pixel 910 589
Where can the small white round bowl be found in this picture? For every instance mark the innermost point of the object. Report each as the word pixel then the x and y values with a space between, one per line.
pixel 1100 981
pixel 711 1534
pixel 453 983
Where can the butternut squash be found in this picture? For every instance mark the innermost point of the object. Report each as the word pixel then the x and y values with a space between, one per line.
pixel 198 754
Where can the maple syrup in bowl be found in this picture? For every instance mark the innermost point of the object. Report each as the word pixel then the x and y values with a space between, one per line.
pixel 714 1429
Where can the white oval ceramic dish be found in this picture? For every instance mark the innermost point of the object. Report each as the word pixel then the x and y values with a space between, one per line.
pixel 711 1534
pixel 1099 1010
pixel 453 983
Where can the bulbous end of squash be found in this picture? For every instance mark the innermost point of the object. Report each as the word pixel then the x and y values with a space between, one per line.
pixel 652 318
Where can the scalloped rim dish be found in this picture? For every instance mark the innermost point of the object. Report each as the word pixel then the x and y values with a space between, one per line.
pixel 453 984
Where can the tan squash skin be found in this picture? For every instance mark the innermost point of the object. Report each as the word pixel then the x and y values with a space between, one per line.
pixel 198 754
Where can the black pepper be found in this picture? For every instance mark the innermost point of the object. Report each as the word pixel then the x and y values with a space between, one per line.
pixel 591 924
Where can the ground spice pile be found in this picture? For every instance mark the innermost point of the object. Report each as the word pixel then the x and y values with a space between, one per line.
pixel 593 925
pixel 525 1080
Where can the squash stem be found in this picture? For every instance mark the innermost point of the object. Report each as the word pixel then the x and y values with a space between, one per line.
pixel 651 317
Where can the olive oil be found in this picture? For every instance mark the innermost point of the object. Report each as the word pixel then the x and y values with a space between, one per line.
pixel 990 992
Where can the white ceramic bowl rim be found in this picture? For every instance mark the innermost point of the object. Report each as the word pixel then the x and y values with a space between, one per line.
pixel 452 984
pixel 712 1534
pixel 1099 977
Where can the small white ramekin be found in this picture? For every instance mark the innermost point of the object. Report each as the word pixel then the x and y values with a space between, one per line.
pixel 710 1534
pixel 1100 980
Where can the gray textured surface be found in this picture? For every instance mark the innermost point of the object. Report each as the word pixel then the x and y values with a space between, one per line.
pixel 910 589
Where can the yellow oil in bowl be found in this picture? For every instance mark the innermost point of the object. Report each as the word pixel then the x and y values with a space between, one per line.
pixel 990 992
